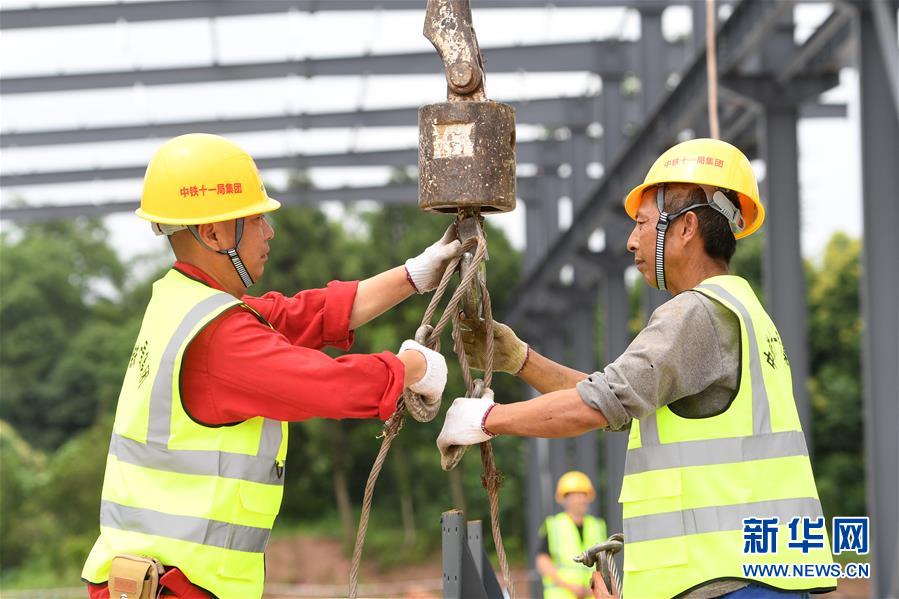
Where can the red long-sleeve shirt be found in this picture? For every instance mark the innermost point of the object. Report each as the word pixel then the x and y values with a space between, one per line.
pixel 238 367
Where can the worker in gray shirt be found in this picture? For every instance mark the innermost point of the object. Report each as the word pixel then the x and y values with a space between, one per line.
pixel 717 467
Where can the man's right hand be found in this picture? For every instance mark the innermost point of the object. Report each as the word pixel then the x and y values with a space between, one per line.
pixel 509 352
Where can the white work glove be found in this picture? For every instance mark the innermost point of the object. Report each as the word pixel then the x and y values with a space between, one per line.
pixel 433 381
pixel 425 269
pixel 464 426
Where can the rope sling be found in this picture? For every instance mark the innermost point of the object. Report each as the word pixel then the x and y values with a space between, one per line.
pixel 472 284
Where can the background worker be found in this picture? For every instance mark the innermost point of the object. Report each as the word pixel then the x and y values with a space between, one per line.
pixel 194 476
pixel 566 534
pixel 706 388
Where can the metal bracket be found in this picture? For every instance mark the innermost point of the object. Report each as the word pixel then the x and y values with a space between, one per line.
pixel 467 572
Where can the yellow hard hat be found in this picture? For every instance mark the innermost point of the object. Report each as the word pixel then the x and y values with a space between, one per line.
pixel 706 162
pixel 200 178
pixel 574 482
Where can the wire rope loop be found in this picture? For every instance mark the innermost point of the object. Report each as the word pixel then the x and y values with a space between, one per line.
pixel 425 336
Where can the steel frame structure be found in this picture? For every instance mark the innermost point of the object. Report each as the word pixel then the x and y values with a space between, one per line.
pixel 768 83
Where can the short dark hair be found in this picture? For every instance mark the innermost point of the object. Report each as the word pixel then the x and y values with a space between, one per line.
pixel 718 239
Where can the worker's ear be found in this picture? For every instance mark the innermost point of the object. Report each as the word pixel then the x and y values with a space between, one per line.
pixel 218 236
pixel 208 235
pixel 689 226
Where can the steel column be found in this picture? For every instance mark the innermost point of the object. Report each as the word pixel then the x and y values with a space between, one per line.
pixel 880 298
pixel 538 500
pixel 582 327
pixel 584 150
pixel 535 232
pixel 652 70
pixel 785 286
pixel 616 338
pixel 553 347
pixel 784 273
pixel 612 117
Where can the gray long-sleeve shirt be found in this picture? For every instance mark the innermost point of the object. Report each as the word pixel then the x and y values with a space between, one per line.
pixel 687 358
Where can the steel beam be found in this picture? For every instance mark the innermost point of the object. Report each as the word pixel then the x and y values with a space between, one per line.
pixel 403 193
pixel 832 33
pixel 594 56
pixel 880 296
pixel 737 37
pixel 576 111
pixel 526 153
pixel 137 12
pixel 816 110
pixel 392 193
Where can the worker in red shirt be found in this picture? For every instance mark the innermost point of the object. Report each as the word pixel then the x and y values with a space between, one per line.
pixel 194 475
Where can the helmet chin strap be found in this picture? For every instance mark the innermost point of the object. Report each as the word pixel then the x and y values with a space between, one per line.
pixel 661 228
pixel 238 264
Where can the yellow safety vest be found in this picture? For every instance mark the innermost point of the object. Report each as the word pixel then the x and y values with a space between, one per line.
pixel 202 498
pixel 565 543
pixel 690 482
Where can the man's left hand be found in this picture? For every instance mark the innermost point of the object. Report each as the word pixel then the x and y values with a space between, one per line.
pixel 426 269
pixel 464 426
pixel 433 381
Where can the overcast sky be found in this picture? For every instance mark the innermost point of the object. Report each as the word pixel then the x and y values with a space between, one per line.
pixel 829 156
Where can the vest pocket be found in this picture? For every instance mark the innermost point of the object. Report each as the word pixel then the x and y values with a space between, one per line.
pixel 260 498
pixel 652 504
pixel 651 493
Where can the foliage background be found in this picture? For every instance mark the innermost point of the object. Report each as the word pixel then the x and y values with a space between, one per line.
pixel 70 311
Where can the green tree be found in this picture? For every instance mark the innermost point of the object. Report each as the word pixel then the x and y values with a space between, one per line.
pixel 835 367
pixel 61 347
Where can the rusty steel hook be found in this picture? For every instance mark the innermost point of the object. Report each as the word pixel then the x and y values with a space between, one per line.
pixel 448 26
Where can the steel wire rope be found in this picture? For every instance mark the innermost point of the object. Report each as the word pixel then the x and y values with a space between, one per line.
pixel 711 65
pixel 425 411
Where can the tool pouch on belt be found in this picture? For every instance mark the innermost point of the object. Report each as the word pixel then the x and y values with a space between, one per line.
pixel 134 577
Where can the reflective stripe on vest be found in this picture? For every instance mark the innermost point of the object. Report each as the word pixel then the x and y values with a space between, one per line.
pixel 715 451
pixel 201 498
pixel 715 518
pixel 255 468
pixel 184 528
pixel 690 482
